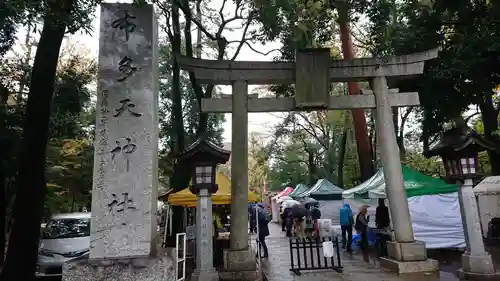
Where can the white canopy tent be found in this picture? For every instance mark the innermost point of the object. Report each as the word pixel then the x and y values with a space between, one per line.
pixel 488 199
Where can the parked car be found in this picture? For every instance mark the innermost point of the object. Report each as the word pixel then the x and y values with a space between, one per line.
pixel 65 237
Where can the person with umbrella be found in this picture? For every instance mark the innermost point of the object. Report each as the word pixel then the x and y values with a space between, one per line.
pixel 298 214
pixel 288 220
pixel 252 218
pixel 263 221
pixel 362 228
pixel 315 216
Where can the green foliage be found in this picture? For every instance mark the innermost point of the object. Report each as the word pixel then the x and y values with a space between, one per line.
pixel 466 71
pixel 69 153
pixel 71 98
pixel 257 163
pixel 428 166
pixel 190 112
pixel 69 175
pixel 307 147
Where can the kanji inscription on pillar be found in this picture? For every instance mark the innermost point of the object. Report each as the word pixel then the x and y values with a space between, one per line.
pixel 312 85
pixel 126 146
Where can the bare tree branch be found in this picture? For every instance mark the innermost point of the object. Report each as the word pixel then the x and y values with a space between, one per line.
pixel 247 25
pixel 168 27
pixel 186 11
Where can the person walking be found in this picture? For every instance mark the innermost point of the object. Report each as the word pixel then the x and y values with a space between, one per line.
pixel 362 228
pixel 382 219
pixel 346 224
pixel 382 222
pixel 315 215
pixel 283 218
pixel 252 219
pixel 287 214
pixel 263 221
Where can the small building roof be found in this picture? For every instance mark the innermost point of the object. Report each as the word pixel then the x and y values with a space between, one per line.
pixel 459 138
pixel 208 148
pixel 489 186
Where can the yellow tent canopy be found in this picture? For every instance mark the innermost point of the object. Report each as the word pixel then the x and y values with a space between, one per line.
pixel 221 197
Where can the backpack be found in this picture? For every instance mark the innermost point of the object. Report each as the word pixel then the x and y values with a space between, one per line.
pixel 359 226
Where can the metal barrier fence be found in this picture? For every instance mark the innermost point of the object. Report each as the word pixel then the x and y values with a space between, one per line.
pixel 309 255
pixel 180 257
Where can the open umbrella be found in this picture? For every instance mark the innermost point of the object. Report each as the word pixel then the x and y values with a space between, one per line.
pixel 290 203
pixel 298 211
pixel 308 201
pixel 284 198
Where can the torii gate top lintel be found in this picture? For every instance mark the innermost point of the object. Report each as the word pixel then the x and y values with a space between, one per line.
pixel 225 72
pixel 312 72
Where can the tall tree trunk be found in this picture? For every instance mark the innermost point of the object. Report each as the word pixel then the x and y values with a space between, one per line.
pixel 358 115
pixel 3 14
pixel 425 136
pixel 342 153
pixel 395 120
pixel 22 253
pixel 180 177
pixel 199 37
pixel 202 116
pixel 401 133
pixel 4 96
pixel 311 164
pixel 489 114
pixel 3 209
pixel 177 120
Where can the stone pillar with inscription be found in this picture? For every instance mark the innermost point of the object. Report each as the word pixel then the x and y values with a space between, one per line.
pixel 204 243
pixel 124 195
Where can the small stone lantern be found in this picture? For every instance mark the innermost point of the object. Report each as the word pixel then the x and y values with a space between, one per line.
pixel 204 156
pixel 459 148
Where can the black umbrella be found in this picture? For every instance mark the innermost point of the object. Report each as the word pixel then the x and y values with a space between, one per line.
pixel 299 211
pixel 308 201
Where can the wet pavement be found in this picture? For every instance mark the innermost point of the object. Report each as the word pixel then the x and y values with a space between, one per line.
pixel 276 267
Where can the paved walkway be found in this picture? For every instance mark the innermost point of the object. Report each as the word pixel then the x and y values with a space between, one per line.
pixel 276 267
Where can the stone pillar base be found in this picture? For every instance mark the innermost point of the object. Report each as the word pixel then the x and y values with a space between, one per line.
pixel 477 267
pixel 408 258
pixel 205 275
pixel 414 251
pixel 144 269
pixel 402 267
pixel 253 275
pixel 462 275
pixel 240 260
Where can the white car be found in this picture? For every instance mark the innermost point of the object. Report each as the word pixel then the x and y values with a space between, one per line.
pixel 65 237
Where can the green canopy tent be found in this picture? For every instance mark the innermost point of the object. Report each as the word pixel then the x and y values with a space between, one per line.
pixel 361 191
pixel 416 184
pixel 299 189
pixel 324 190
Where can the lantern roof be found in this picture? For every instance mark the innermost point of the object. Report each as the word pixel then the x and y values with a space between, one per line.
pixel 205 150
pixel 460 139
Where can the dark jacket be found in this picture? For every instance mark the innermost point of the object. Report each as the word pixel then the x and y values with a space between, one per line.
pixel 382 217
pixel 361 223
pixel 315 213
pixel 263 224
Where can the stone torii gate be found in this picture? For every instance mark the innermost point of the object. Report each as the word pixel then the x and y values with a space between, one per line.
pixel 312 74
